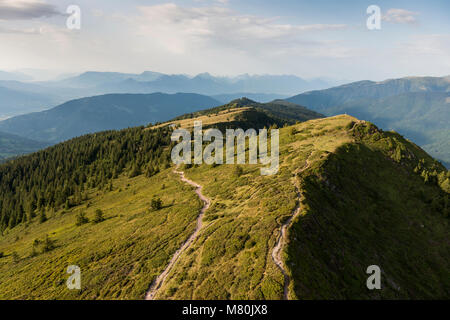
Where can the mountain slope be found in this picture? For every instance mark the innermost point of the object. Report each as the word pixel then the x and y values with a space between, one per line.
pixel 366 197
pixel 92 79
pixel 365 221
pixel 416 107
pixel 13 102
pixel 12 145
pixel 114 111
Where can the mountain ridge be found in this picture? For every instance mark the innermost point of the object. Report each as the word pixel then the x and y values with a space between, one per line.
pixel 416 107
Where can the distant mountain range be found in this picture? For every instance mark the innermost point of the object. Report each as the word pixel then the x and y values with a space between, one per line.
pixel 263 88
pixel 105 112
pixel 203 83
pixel 14 76
pixel 417 107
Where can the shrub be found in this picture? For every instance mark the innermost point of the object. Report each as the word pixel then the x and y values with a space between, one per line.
pixel 99 216
pixel 82 219
pixel 292 131
pixel 48 244
pixel 15 257
pixel 156 204
pixel 238 171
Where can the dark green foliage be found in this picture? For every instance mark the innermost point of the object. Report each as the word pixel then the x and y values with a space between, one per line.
pixel 292 131
pixel 279 112
pixel 48 244
pixel 81 219
pixel 57 177
pixel 405 153
pixel 156 204
pixel 136 171
pixel 238 171
pixel 42 217
pixel 151 171
pixel 361 209
pixel 99 216
pixel 15 257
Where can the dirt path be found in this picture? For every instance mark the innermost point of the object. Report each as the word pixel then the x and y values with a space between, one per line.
pixel 153 290
pixel 282 237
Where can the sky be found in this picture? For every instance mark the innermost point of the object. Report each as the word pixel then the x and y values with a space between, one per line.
pixel 328 39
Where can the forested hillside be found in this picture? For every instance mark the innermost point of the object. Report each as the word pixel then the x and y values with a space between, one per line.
pixel 58 177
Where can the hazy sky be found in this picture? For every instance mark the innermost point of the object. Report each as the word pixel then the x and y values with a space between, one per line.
pixel 226 37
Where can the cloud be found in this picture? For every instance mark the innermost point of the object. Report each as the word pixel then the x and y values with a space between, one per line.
pixel 177 28
pixel 19 31
pixel 428 44
pixel 400 16
pixel 26 9
pixel 428 53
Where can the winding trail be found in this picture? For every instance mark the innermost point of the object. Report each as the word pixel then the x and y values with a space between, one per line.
pixel 282 238
pixel 156 285
pixel 277 250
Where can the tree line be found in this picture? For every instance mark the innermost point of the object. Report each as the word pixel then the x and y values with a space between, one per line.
pixel 60 176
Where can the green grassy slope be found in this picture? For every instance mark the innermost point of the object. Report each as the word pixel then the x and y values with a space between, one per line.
pixel 119 257
pixel 368 197
pixel 372 215
pixel 361 208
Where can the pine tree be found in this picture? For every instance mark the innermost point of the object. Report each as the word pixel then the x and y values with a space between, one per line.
pixel 156 204
pixel 81 218
pixel 98 216
pixel 42 217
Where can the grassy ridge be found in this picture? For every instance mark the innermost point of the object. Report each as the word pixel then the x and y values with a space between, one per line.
pixel 232 257
pixel 362 206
